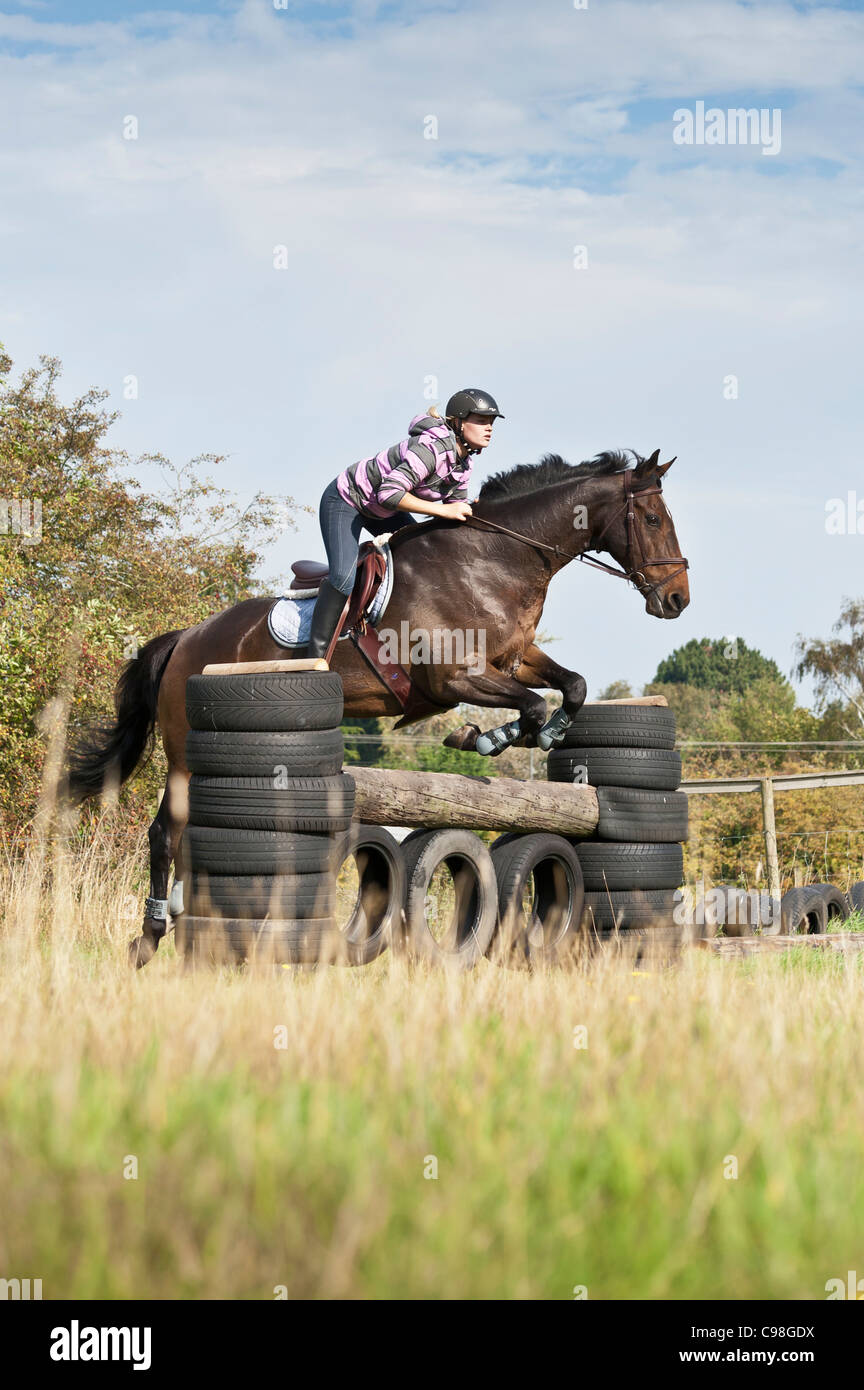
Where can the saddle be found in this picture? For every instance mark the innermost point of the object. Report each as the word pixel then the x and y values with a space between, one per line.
pixel 371 569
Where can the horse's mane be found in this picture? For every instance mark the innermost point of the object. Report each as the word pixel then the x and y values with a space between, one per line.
pixel 527 478
pixel 552 468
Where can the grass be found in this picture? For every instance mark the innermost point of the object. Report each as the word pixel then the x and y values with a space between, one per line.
pixel 308 1166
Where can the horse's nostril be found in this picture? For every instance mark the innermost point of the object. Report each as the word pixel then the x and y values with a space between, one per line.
pixel 676 599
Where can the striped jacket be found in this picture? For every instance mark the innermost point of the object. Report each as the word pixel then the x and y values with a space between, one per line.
pixel 425 464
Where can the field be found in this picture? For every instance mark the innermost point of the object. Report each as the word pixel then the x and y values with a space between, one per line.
pixel 287 1126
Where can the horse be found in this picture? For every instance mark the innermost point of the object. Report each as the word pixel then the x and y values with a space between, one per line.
pixel 483 568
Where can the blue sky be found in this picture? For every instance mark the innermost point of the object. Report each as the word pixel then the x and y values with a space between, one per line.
pixel 453 258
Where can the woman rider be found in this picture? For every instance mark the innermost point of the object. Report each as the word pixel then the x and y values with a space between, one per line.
pixel 428 473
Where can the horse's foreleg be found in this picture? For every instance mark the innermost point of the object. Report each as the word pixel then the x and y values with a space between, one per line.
pixel 164 837
pixel 540 671
pixel 500 692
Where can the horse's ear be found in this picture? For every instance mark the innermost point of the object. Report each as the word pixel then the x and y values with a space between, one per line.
pixel 664 467
pixel 647 465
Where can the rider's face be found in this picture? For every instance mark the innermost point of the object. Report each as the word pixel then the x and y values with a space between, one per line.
pixel 477 429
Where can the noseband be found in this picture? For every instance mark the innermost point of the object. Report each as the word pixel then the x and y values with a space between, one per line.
pixel 634 573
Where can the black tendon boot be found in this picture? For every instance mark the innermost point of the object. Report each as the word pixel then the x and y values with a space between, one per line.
pixel 328 611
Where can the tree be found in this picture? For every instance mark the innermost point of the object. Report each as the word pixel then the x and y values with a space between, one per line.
pixel 85 550
pixel 616 690
pixel 725 664
pixel 837 666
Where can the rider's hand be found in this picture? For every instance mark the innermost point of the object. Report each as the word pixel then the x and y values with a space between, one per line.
pixel 456 511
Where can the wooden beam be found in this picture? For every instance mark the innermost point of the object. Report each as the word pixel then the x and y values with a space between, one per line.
pixel 247 668
pixel 435 799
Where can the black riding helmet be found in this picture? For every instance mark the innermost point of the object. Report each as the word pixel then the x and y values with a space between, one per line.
pixel 470 401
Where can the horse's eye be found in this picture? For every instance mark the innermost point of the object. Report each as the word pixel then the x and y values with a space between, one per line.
pixel 652 518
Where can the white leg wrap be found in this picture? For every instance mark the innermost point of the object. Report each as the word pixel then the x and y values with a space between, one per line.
pixel 175 901
pixel 157 908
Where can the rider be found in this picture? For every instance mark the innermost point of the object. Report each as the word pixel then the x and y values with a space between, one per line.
pixel 428 473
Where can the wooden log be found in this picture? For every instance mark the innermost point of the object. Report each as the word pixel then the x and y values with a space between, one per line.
pixel 633 700
pixel 434 799
pixel 247 668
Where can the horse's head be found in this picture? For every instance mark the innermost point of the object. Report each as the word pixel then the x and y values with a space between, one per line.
pixel 642 539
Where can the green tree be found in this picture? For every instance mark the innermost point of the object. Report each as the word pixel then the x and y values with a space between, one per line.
pixel 726 664
pixel 108 561
pixel 837 667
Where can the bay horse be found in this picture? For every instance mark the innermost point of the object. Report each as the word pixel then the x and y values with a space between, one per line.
pixel 493 569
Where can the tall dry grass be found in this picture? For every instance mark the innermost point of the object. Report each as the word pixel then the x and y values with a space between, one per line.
pixel 287 1124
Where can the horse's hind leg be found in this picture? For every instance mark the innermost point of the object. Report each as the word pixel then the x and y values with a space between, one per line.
pixel 164 837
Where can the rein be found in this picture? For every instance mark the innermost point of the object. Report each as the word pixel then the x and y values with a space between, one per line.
pixel 632 574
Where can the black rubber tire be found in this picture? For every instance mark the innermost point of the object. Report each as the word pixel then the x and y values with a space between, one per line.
pixel 736 911
pixel 270 701
pixel 621 726
pixel 475 917
pixel 286 896
pixel 551 865
pixel 657 769
pixel 630 910
pixel 804 911
pixel 318 804
pixel 377 918
pixel 653 947
pixel 615 866
pixel 217 940
pixel 837 904
pixel 856 897
pixel 210 849
pixel 506 838
pixel 310 753
pixel 643 817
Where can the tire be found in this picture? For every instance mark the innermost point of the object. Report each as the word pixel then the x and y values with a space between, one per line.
pixel 804 911
pixel 215 940
pixel 475 915
pixel 269 701
pixel 376 919
pixel 655 947
pixel 322 805
pixel 310 753
pixel 657 769
pixel 628 866
pixel 210 849
pixel 288 896
pixel 856 897
pixel 506 839
pixel 837 904
pixel 629 910
pixel 621 726
pixel 738 912
pixel 549 865
pixel 644 817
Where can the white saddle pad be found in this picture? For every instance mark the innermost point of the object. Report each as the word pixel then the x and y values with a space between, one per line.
pixel 290 618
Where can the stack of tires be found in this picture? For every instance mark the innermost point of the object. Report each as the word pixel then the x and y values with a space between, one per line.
pixel 270 824
pixel 633 864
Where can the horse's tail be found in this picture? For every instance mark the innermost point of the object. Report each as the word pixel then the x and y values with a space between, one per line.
pixel 109 753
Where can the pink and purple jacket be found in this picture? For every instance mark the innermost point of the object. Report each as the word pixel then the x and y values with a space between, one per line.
pixel 425 464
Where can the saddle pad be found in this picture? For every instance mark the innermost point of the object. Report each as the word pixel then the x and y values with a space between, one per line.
pixel 290 619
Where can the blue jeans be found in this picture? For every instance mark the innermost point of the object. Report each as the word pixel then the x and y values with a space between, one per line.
pixel 341 525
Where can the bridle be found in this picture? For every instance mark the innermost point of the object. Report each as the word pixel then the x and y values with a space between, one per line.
pixel 635 573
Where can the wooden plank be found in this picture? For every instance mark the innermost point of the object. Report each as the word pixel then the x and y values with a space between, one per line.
pixel 248 668
pixel 633 700
pixel 437 799
pixel 760 945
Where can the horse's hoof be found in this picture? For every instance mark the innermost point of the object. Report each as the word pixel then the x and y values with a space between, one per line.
pixel 463 738
pixel 141 950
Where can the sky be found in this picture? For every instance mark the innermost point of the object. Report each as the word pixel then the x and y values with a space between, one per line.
pixel 416 265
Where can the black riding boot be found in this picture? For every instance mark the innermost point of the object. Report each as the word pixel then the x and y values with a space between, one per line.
pixel 328 610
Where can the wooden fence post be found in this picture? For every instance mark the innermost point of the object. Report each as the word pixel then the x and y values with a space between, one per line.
pixel 770 831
